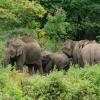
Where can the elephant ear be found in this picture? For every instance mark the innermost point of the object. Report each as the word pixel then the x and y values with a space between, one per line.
pixel 19 50
pixel 19 46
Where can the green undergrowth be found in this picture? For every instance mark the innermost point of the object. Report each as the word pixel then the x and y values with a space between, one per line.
pixel 75 84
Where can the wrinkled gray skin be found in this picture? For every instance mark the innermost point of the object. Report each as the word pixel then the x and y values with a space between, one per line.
pixel 58 58
pixel 77 50
pixel 44 53
pixel 90 54
pixel 73 49
pixel 68 47
pixel 19 52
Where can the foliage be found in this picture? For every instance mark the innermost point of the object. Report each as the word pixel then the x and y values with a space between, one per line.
pixel 51 45
pixel 8 86
pixel 82 84
pixel 20 13
pixel 83 16
pixel 56 27
pixel 61 19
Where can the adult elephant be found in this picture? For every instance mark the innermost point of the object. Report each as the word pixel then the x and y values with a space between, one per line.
pixel 73 49
pixel 77 50
pixel 23 51
pixel 58 58
pixel 90 54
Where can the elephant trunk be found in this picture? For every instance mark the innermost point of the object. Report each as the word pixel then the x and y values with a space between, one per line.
pixel 6 62
pixel 6 59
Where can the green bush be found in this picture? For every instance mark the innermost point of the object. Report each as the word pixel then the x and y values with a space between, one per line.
pixel 16 14
pixel 51 45
pixel 75 84
pixel 57 27
pixel 9 85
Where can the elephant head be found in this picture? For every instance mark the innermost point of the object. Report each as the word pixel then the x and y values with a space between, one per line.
pixel 44 53
pixel 68 47
pixel 48 63
pixel 13 48
pixel 45 59
pixel 83 43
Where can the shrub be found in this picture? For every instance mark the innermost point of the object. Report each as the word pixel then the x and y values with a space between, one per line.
pixel 57 27
pixel 15 14
pixel 50 45
pixel 9 85
pixel 75 84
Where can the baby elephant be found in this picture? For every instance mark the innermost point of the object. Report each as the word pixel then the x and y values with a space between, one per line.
pixel 49 59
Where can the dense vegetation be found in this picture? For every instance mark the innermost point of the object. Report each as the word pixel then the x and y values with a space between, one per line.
pixel 50 22
pixel 76 84
pixel 57 19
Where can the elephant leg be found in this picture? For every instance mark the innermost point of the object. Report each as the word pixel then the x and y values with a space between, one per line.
pixel 12 61
pixel 39 64
pixel 49 67
pixel 44 67
pixel 67 67
pixel 60 67
pixel 35 68
pixel 19 66
pixel 81 61
pixel 30 69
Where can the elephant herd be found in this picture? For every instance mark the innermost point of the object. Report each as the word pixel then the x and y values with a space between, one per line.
pixel 25 50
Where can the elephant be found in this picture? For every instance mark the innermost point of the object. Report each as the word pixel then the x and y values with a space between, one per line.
pixel 23 51
pixel 44 53
pixel 73 49
pixel 27 39
pixel 56 58
pixel 68 47
pixel 77 50
pixel 90 54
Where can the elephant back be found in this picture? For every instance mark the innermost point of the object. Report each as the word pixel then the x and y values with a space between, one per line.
pixel 45 53
pixel 27 39
pixel 32 52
